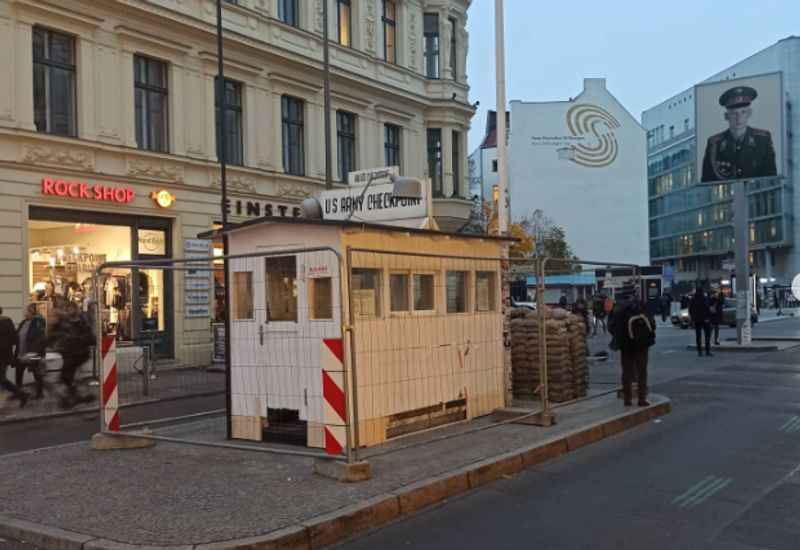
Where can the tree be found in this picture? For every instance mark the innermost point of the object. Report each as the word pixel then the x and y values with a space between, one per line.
pixel 551 239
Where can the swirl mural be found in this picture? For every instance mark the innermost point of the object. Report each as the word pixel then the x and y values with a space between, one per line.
pixel 599 147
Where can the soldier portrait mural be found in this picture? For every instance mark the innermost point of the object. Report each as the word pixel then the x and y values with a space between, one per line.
pixel 740 128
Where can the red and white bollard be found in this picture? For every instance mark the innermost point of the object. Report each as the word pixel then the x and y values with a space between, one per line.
pixel 109 398
pixel 333 394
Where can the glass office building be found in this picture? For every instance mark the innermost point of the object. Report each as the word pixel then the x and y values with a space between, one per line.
pixel 691 226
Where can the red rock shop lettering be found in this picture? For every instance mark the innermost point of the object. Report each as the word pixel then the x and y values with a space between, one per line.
pixel 80 190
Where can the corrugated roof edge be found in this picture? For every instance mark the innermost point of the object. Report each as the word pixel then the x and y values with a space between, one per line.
pixel 340 223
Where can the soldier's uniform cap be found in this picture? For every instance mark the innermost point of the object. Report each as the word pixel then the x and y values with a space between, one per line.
pixel 740 96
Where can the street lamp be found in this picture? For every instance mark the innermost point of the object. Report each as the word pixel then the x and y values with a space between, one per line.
pixel 502 154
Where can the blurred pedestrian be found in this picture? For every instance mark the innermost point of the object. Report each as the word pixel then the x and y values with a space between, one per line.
pixel 580 309
pixel 635 333
pixel 599 314
pixel 71 336
pixel 31 349
pixel 8 339
pixel 716 306
pixel 700 314
pixel 666 306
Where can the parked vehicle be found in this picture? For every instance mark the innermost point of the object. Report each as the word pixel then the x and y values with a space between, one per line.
pixel 684 320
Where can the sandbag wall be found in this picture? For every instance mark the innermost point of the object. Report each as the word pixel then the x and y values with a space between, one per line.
pixel 567 367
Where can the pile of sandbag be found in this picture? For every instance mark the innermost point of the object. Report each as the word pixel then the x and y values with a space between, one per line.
pixel 567 367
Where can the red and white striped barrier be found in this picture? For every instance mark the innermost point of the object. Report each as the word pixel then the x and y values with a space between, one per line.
pixel 335 417
pixel 110 395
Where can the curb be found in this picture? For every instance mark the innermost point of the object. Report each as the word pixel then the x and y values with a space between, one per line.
pixel 375 512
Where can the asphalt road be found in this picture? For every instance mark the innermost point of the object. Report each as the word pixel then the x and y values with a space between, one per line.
pixel 722 472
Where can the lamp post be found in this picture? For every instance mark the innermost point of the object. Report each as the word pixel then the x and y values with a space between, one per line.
pixel 222 150
pixel 502 155
pixel 327 93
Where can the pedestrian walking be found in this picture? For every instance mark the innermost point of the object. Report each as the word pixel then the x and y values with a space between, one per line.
pixel 666 306
pixel 599 314
pixel 580 309
pixel 31 349
pixel 71 336
pixel 8 340
pixel 700 314
pixel 716 306
pixel 634 333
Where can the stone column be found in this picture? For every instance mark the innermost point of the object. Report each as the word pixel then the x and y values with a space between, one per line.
pixel 86 101
pixel 445 34
pixel 176 119
pixel 275 153
pixel 315 138
pixel 211 126
pixel 128 108
pixel 16 98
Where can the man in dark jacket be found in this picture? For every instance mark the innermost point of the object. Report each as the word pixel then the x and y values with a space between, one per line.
pixel 716 305
pixel 700 313
pixel 31 347
pixel 635 332
pixel 72 337
pixel 8 339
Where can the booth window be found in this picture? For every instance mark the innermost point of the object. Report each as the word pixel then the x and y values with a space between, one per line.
pixel 282 288
pixel 485 291
pixel 366 289
pixel 456 292
pixel 242 295
pixel 424 292
pixel 398 290
pixel 54 82
pixel 321 295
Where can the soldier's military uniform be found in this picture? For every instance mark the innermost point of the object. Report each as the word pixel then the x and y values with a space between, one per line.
pixel 751 156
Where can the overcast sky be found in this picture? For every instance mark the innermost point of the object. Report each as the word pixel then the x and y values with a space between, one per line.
pixel 647 50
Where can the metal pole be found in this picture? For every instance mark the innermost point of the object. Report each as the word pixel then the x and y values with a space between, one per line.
pixel 223 151
pixel 98 344
pixel 740 220
pixel 353 366
pixel 502 156
pixel 327 92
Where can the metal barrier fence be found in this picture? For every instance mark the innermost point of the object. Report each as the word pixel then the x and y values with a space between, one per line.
pixel 330 355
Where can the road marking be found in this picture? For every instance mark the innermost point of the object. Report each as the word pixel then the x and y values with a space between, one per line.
pixel 791 426
pixel 701 491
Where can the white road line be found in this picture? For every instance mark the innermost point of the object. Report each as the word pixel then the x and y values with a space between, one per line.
pixel 697 486
pixel 790 425
pixel 699 499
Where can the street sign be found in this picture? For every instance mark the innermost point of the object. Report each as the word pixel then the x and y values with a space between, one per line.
pixel 377 205
pixel 729 265
pixel 377 175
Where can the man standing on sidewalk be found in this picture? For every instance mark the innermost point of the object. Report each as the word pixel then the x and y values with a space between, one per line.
pixel 700 313
pixel 635 333
pixel 8 337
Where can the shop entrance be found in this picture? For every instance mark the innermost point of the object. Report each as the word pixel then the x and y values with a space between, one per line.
pixel 66 246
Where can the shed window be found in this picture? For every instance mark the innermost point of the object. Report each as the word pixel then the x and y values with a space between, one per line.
pixel 423 292
pixel 485 291
pixel 398 289
pixel 282 288
pixel 456 292
pixel 321 298
pixel 366 288
pixel 242 295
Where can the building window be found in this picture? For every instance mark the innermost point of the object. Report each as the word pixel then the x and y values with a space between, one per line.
pixel 54 82
pixel 494 166
pixel 435 160
pixel 150 82
pixel 424 293
pixel 281 288
pixel 321 298
pixel 390 31
pixel 289 12
pixel 398 292
pixel 457 164
pixel 391 144
pixel 242 296
pixel 366 289
pixel 345 18
pixel 685 124
pixel 293 136
pixel 233 138
pixel 453 43
pixel 346 142
pixel 456 292
pixel 431 33
pixel 485 291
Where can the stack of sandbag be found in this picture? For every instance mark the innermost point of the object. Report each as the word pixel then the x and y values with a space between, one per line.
pixel 568 375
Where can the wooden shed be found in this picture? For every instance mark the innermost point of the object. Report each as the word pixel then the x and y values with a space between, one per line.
pixel 406 323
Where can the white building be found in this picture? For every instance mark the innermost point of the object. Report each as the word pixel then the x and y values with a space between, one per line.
pixel 583 163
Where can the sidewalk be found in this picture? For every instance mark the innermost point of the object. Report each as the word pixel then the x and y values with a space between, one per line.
pixel 170 384
pixel 179 494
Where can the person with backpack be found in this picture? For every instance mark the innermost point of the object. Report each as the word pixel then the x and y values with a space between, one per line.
pixel 700 314
pixel 634 335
